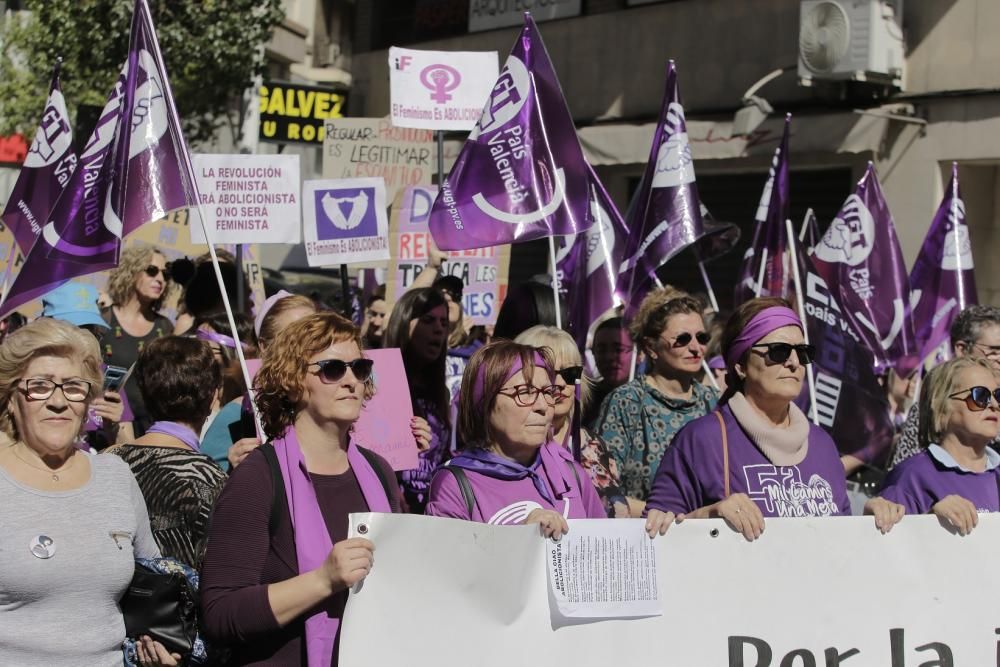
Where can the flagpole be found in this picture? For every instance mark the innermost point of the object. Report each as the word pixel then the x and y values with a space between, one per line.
pixel 709 374
pixel 802 313
pixel 555 280
pixel 805 225
pixel 708 285
pixel 759 287
pixel 959 278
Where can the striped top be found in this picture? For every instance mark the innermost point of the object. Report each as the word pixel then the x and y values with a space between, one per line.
pixel 180 487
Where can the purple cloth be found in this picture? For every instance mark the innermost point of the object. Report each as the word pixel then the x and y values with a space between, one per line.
pixel 221 339
pixel 763 323
pixel 478 387
pixel 504 501
pixel 179 431
pixel 312 540
pixel 717 363
pixel 919 482
pixel 691 473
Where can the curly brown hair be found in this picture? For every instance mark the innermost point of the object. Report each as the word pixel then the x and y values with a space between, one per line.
pixel 654 311
pixel 121 281
pixel 279 382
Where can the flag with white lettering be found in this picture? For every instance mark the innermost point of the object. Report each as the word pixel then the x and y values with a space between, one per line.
pixel 943 281
pixel 521 174
pixel 860 259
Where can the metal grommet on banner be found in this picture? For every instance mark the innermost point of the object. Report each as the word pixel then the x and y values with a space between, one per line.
pixel 362 529
pixel 714 532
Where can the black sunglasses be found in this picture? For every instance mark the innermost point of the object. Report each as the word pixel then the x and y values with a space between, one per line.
pixel 779 352
pixel 332 370
pixel 571 374
pixel 978 398
pixel 153 270
pixel 685 339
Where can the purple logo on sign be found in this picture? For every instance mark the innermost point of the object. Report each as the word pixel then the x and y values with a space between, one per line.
pixel 345 214
pixel 440 79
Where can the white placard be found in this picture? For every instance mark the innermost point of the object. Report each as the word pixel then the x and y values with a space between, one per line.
pixel 345 221
pixel 490 14
pixel 810 592
pixel 248 198
pixel 440 90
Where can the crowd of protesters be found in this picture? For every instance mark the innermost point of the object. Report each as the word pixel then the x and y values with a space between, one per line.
pixel 524 429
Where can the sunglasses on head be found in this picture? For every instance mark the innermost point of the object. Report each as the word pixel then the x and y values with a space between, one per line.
pixel 780 352
pixel 977 399
pixel 570 374
pixel 153 270
pixel 332 370
pixel 684 339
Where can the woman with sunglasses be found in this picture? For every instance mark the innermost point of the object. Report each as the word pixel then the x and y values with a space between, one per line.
pixel 137 287
pixel 511 472
pixel 593 454
pixel 956 475
pixel 756 455
pixel 640 418
pixel 279 563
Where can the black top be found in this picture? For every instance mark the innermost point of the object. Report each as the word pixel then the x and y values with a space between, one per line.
pixel 122 349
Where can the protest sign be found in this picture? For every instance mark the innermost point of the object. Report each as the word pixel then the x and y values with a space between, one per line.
pixel 248 198
pixel 293 113
pixel 440 90
pixel 384 425
pixel 810 592
pixel 345 221
pixel 372 147
pixel 490 14
pixel 483 271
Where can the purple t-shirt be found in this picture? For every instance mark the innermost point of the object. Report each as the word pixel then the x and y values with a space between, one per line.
pixel 507 502
pixel 691 473
pixel 919 482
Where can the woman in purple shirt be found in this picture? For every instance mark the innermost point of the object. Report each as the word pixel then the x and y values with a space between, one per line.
pixel 512 472
pixel 956 475
pixel 756 455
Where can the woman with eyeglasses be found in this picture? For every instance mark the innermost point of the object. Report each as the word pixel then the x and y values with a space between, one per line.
pixel 137 287
pixel 279 563
pixel 757 454
pixel 640 418
pixel 593 453
pixel 956 475
pixel 511 472
pixel 73 524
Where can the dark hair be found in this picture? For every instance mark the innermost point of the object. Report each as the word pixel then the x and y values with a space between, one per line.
pixel 735 325
pixel 969 323
pixel 178 378
pixel 427 382
pixel 202 297
pixel 616 323
pixel 495 360
pixel 233 384
pixel 525 306
pixel 377 294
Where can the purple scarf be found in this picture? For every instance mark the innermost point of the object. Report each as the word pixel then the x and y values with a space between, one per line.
pixel 312 540
pixel 179 431
pixel 550 462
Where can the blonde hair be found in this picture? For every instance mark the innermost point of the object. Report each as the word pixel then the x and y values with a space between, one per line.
pixel 935 393
pixel 121 281
pixel 269 327
pixel 44 337
pixel 563 348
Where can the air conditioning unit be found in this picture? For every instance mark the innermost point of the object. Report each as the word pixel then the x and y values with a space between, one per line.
pixel 851 40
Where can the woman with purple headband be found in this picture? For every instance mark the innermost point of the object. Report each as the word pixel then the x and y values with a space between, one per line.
pixel 512 472
pixel 757 454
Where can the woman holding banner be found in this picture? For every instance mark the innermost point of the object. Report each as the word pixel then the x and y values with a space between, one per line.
pixel 757 455
pixel 956 475
pixel 272 588
pixel 511 472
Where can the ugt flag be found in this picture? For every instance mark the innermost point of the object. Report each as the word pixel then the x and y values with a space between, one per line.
pixel 46 171
pixel 943 281
pixel 859 258
pixel 768 245
pixel 134 169
pixel 521 174
pixel 587 264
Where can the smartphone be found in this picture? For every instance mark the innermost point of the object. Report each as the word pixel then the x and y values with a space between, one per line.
pixel 114 377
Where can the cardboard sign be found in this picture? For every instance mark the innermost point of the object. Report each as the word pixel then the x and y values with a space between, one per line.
pixel 345 221
pixel 490 14
pixel 483 271
pixel 440 90
pixel 248 198
pixel 293 113
pixel 373 148
pixel 384 425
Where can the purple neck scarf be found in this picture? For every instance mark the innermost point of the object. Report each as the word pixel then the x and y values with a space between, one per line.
pixel 179 431
pixel 550 462
pixel 763 323
pixel 221 339
pixel 312 540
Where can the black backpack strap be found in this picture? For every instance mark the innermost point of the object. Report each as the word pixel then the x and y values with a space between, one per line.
pixel 465 487
pixel 576 473
pixel 279 503
pixel 373 461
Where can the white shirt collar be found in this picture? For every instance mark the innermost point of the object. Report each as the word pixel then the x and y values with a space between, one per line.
pixel 947 460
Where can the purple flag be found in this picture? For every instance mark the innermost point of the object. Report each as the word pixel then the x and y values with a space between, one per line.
pixel 104 196
pixel 521 174
pixel 768 245
pixel 809 235
pixel 943 279
pixel 859 258
pixel 587 264
pixel 46 171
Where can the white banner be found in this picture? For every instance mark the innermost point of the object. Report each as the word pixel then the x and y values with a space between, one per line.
pixel 248 198
pixel 490 14
pixel 345 221
pixel 440 90
pixel 808 593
